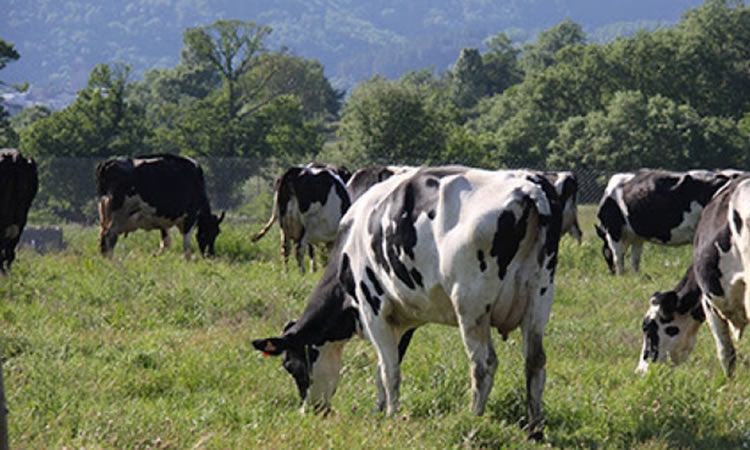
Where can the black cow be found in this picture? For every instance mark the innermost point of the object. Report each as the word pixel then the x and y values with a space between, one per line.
pixel 19 183
pixel 715 285
pixel 652 205
pixel 464 247
pixel 309 201
pixel 155 192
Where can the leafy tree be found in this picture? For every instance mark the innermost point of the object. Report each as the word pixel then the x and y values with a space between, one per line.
pixel 500 61
pixel 231 47
pixel 538 56
pixel 469 80
pixel 27 116
pixel 8 136
pixel 387 121
pixel 635 131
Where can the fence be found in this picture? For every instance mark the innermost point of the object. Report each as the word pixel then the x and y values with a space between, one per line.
pixel 242 186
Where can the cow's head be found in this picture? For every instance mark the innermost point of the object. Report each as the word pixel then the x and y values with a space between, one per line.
pixel 669 330
pixel 208 229
pixel 606 250
pixel 315 368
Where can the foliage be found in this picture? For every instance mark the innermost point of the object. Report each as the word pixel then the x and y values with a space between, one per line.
pixel 386 121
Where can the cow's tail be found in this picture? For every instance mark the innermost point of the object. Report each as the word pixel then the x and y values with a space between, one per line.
pixel 274 212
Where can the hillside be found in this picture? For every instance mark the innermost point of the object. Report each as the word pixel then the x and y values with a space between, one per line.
pixel 60 42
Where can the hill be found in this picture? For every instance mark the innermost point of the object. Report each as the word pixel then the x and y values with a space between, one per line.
pixel 60 42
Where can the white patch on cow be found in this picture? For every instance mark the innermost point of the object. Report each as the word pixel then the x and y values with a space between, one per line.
pixel 685 231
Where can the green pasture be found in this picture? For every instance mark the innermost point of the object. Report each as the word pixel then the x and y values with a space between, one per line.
pixel 146 351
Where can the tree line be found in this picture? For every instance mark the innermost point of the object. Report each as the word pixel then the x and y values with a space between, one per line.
pixel 675 98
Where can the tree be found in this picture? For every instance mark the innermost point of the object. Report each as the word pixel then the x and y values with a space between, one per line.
pixel 469 81
pixel 231 47
pixel 387 121
pixel 500 62
pixel 8 137
pixel 540 55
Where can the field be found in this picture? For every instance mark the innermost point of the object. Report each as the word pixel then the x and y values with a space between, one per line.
pixel 146 351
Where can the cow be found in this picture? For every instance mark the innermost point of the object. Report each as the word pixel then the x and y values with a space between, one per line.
pixel 713 288
pixel 155 192
pixel 309 202
pixel 19 183
pixel 464 247
pixel 652 205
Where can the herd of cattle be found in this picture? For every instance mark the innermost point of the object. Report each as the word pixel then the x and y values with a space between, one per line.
pixel 472 248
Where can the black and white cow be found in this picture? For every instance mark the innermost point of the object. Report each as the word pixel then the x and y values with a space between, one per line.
pixel 155 192
pixel 464 247
pixel 19 184
pixel 652 205
pixel 309 201
pixel 714 287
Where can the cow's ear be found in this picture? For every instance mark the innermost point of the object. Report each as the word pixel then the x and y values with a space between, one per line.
pixel 600 232
pixel 289 325
pixel 270 346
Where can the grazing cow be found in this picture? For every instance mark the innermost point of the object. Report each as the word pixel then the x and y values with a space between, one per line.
pixel 19 184
pixel 155 192
pixel 652 205
pixel 714 286
pixel 465 247
pixel 309 201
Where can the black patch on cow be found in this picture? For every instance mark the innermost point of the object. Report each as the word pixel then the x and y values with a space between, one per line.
pixel 551 223
pixel 482 262
pixel 543 291
pixel 651 331
pixel 431 214
pixel 611 218
pixel 371 299
pixel 671 194
pixel 403 343
pixel 508 237
pixel 346 277
pixel 364 179
pixel 737 220
pixel 672 331
pixel 374 280
pixel 416 276
pixel 432 183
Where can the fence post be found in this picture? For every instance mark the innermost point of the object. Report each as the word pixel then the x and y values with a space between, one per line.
pixel 3 412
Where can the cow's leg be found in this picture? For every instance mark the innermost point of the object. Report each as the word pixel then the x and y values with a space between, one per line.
pixel 475 332
pixel 635 255
pixel 299 252
pixel 166 240
pixel 388 372
pixel 619 249
pixel 187 236
pixel 722 337
pixel 284 249
pixel 311 253
pixel 107 235
pixel 532 329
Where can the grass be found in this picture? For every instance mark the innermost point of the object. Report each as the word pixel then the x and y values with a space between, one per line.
pixel 146 351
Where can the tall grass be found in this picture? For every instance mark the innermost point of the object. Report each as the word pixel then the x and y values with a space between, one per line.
pixel 146 351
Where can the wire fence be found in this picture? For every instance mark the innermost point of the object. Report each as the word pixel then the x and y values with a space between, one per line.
pixel 241 186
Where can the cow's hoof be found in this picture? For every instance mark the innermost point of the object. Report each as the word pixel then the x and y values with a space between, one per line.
pixel 537 436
